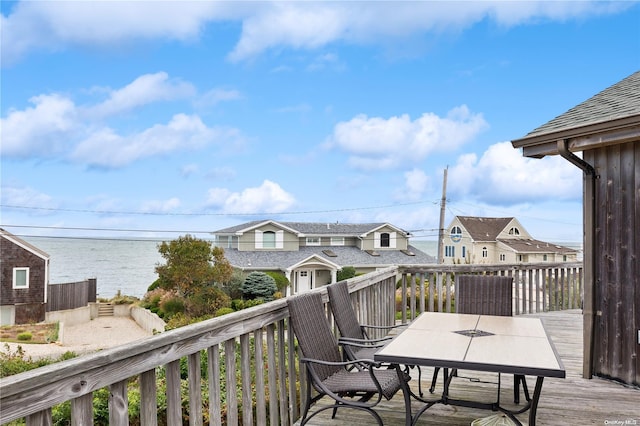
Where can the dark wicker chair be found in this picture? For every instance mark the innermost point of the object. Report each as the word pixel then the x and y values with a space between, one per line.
pixel 328 373
pixel 354 339
pixel 486 295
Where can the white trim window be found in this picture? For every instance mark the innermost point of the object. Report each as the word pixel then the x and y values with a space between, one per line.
pixel 337 241
pixel 20 278
pixel 313 241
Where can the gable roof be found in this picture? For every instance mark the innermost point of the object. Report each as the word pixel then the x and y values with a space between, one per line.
pixel 22 243
pixel 615 111
pixel 340 255
pixel 525 245
pixel 484 228
pixel 311 228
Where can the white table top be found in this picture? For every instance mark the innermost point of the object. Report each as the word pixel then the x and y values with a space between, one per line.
pixel 514 345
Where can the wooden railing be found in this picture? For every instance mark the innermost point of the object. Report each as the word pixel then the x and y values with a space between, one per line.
pixel 240 368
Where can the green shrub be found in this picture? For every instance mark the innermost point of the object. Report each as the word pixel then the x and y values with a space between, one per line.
pixel 281 281
pixel 224 311
pixel 346 273
pixel 259 285
pixel 233 287
pixel 172 306
pixel 25 336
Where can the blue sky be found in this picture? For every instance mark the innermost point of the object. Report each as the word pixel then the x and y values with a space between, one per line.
pixel 147 117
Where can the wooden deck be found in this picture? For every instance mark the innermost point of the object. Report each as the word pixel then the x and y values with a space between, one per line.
pixel 569 401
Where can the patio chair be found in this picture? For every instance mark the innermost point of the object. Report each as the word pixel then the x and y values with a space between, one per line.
pixel 328 374
pixel 354 339
pixel 486 295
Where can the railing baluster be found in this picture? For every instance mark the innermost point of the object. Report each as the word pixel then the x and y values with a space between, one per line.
pixel 215 392
pixel 118 404
pixel 231 381
pixel 245 372
pixel 82 410
pixel 174 402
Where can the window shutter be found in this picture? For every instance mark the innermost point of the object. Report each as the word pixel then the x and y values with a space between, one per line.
pixel 258 239
pixel 279 239
pixel 376 240
pixel 392 240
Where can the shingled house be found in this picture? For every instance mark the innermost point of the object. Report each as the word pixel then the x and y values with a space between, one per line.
pixel 606 130
pixel 311 254
pixel 473 240
pixel 24 277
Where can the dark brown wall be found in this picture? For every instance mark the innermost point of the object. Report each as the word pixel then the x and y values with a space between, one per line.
pixel 15 256
pixel 617 271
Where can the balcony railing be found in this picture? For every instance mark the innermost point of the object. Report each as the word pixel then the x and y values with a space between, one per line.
pixel 251 374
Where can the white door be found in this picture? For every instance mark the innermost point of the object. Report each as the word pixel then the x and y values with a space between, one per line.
pixel 304 280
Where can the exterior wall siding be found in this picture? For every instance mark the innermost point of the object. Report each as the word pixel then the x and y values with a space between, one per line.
pixel 16 256
pixel 617 271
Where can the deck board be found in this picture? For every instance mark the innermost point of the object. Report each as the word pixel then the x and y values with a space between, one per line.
pixel 569 401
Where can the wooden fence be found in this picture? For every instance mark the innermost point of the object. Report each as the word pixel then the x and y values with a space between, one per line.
pixel 71 295
pixel 241 368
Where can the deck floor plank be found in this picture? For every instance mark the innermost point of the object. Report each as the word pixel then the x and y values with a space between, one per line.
pixel 569 401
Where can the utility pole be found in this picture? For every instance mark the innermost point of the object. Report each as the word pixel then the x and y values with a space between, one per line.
pixel 443 202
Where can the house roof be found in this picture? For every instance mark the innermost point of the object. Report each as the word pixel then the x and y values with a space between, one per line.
pixel 615 111
pixel 484 228
pixel 311 228
pixel 22 243
pixel 525 245
pixel 344 256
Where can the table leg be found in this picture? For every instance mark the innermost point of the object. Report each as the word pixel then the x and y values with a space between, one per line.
pixel 534 401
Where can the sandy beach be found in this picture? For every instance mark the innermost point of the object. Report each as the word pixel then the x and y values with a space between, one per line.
pixel 92 336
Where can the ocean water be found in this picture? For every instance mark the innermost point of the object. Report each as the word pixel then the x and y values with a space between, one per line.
pixel 118 265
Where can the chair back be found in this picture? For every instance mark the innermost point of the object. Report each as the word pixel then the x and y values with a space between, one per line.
pixel 484 295
pixel 313 332
pixel 343 312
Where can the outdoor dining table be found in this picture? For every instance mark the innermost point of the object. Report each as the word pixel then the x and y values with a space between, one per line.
pixel 500 344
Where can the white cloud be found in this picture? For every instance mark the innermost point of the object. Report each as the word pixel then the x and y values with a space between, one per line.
pixel 416 184
pixel 25 196
pixel 378 143
pixel 160 206
pixel 56 127
pixel 266 198
pixel 106 148
pixel 42 128
pixel 265 25
pixel 143 90
pixel 217 95
pixel 502 175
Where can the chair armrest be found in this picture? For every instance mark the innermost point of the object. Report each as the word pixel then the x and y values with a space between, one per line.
pixel 341 363
pixel 363 343
pixel 383 327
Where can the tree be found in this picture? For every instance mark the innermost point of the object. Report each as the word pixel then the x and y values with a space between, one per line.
pixel 259 285
pixel 191 263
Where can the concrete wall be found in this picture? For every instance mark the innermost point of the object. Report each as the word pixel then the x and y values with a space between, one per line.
pixel 147 320
pixel 70 316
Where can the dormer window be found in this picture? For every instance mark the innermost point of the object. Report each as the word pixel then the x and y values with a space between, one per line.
pixel 268 239
pixel 514 231
pixel 384 240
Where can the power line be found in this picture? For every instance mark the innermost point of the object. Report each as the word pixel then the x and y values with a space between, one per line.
pixel 211 214
pixel 107 229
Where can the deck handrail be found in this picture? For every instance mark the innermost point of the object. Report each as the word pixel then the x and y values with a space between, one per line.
pixel 262 384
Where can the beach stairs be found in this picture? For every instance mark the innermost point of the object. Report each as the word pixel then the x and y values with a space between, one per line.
pixel 105 310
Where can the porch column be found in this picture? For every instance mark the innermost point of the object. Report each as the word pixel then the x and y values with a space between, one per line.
pixel 334 275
